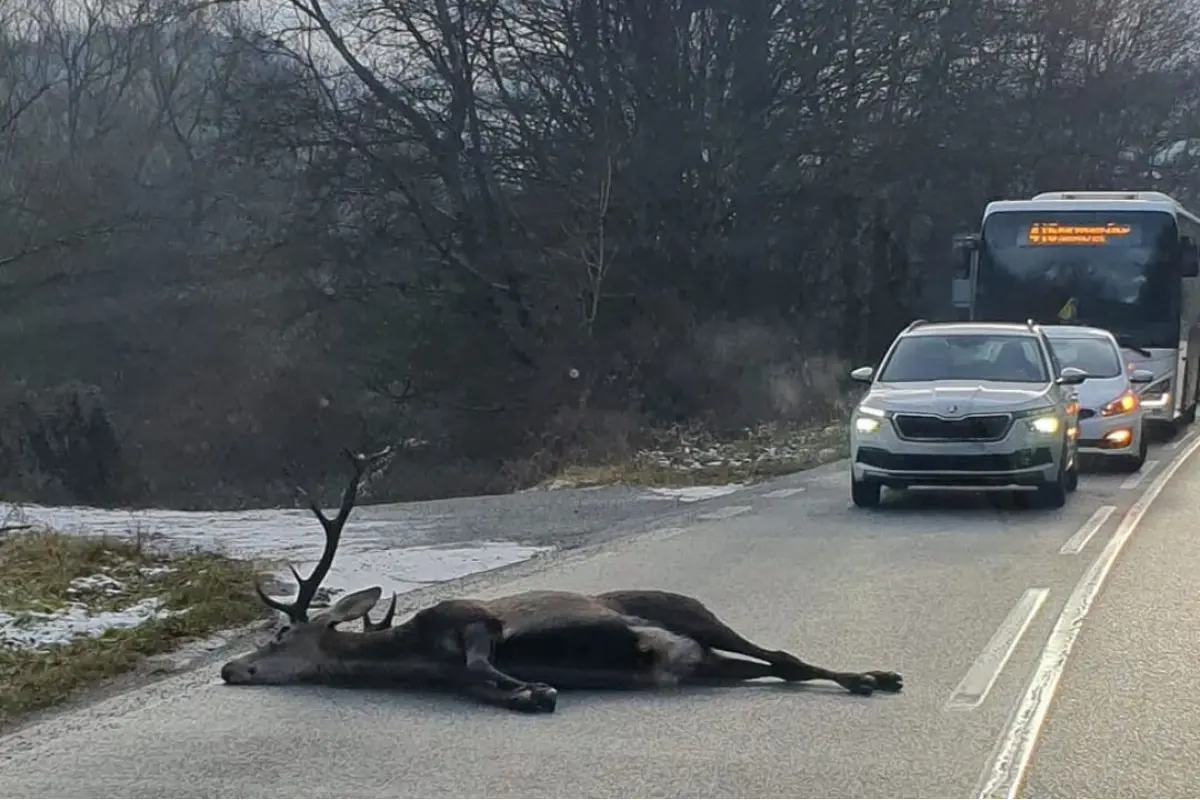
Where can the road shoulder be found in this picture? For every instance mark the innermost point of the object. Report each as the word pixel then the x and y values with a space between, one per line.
pixel 1126 721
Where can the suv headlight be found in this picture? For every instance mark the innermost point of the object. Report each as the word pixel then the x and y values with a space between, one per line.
pixel 868 419
pixel 1044 421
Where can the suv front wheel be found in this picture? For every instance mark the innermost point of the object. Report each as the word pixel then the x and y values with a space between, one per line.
pixel 1054 493
pixel 865 493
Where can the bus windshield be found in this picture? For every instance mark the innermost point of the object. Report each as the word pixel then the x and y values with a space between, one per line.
pixel 1114 270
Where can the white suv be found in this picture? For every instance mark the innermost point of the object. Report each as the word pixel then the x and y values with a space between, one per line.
pixel 977 405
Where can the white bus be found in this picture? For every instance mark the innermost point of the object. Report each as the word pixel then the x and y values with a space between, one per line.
pixel 1124 261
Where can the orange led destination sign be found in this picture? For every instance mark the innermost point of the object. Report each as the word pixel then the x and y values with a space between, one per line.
pixel 1051 233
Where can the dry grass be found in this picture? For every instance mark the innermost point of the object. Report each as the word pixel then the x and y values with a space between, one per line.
pixel 42 573
pixel 685 457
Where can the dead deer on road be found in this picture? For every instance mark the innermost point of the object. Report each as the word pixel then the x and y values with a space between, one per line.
pixel 517 651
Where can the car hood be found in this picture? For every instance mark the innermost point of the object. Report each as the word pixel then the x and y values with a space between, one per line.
pixel 957 398
pixel 1098 392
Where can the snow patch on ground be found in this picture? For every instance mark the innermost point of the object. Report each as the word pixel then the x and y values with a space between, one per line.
pixel 36 630
pixel 369 553
pixel 690 494
pixel 96 584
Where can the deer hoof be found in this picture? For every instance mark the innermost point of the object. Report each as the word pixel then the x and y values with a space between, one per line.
pixel 545 697
pixel 861 684
pixel 887 681
pixel 534 699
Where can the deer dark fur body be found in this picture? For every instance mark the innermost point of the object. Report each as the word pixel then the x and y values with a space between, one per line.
pixel 517 651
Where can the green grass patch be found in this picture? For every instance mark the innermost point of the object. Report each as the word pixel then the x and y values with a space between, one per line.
pixel 45 576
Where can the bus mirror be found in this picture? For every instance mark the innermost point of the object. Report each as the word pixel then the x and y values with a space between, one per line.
pixel 965 245
pixel 1189 262
pixel 960 293
pixel 966 241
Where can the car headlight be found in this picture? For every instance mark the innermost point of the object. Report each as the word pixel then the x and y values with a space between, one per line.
pixel 1125 404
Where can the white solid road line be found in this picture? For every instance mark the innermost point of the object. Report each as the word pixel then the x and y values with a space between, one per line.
pixel 1087 530
pixel 1136 478
pixel 1004 776
pixel 724 513
pixel 975 685
pixel 779 494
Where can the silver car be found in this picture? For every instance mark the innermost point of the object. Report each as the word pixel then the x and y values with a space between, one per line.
pixel 966 404
pixel 1111 418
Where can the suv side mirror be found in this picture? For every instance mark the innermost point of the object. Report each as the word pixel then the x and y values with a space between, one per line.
pixel 1141 376
pixel 1189 258
pixel 1071 376
pixel 862 374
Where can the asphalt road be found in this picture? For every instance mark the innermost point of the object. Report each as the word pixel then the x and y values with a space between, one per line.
pixel 936 588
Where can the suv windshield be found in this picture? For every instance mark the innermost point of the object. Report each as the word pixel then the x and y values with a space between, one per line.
pixel 966 357
pixel 1097 357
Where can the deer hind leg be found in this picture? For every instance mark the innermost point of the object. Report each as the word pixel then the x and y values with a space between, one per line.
pixel 720 670
pixel 689 617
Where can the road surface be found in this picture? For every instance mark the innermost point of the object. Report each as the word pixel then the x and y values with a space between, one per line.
pixel 959 597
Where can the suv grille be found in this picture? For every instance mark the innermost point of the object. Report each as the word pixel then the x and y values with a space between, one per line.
pixel 975 428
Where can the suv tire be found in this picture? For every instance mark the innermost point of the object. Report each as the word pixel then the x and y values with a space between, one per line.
pixel 865 493
pixel 1052 494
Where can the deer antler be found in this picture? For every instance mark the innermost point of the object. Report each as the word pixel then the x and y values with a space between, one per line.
pixel 297 611
pixel 385 621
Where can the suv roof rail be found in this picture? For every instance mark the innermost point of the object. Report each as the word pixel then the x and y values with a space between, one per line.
pixel 916 323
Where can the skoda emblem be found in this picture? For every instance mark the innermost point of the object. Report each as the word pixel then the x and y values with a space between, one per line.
pixel 952 409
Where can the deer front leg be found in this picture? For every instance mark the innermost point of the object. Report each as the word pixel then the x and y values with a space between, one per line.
pixel 493 686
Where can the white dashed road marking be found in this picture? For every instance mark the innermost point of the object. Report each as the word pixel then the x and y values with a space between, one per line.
pixel 1177 443
pixel 724 513
pixel 779 494
pixel 1087 530
pixel 975 685
pixel 1136 478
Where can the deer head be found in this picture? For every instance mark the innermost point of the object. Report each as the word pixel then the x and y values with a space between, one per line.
pixel 313 649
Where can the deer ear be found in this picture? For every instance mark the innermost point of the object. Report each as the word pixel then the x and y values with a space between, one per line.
pixel 352 606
